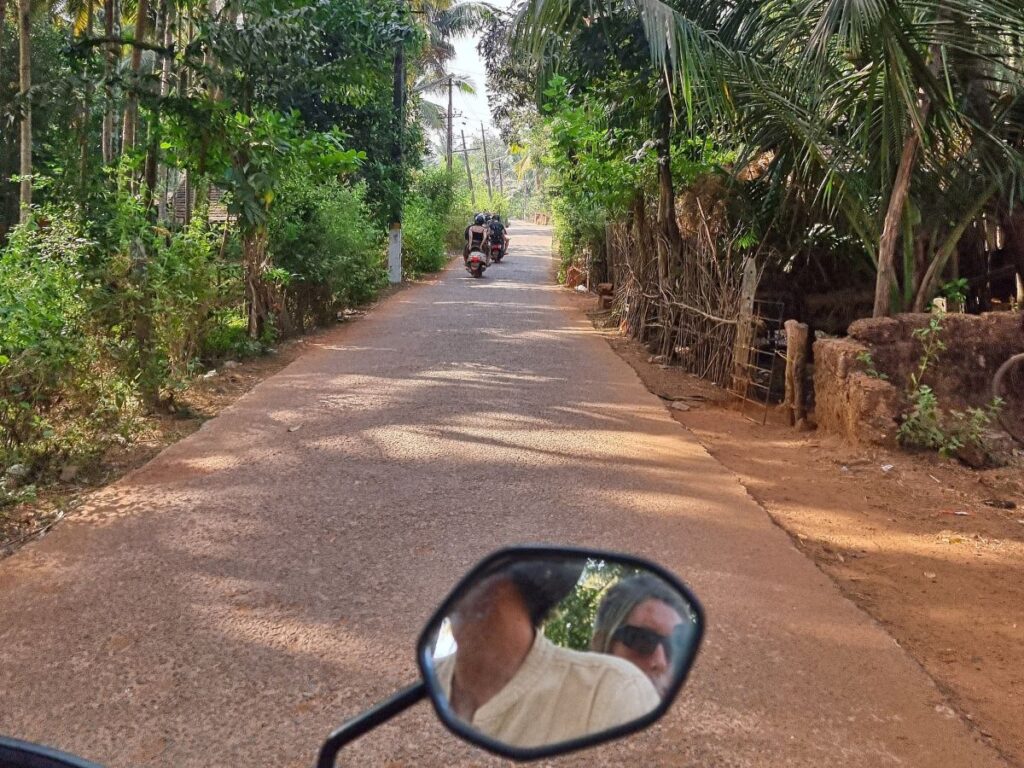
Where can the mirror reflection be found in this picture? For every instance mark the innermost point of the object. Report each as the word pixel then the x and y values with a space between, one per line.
pixel 539 651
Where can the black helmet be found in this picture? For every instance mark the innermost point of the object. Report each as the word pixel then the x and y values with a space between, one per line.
pixel 479 219
pixel 543 584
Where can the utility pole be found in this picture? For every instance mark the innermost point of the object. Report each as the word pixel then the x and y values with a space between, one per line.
pixel 449 124
pixel 469 175
pixel 487 165
pixel 501 179
pixel 395 232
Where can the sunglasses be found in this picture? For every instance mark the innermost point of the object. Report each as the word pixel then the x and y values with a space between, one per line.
pixel 645 641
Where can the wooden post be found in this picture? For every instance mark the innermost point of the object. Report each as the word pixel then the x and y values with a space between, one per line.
pixel 469 174
pixel 609 254
pixel 796 368
pixel 487 163
pixel 449 147
pixel 744 330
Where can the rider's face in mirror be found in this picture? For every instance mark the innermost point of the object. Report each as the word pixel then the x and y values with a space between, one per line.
pixel 646 640
pixel 647 622
pixel 515 658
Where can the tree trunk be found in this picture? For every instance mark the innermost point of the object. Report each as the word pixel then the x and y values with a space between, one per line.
pixel 258 294
pixel 131 110
pixel 83 135
pixel 153 144
pixel 930 281
pixel 110 60
pixel 25 85
pixel 1013 229
pixel 149 377
pixel 670 256
pixel 885 283
pixel 168 16
pixel 3 24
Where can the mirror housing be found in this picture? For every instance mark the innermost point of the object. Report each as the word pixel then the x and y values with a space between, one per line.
pixel 23 754
pixel 570 571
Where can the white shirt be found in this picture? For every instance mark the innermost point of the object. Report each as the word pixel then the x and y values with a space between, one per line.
pixel 559 694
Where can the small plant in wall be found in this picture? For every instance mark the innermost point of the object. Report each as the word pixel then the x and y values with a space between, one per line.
pixel 869 366
pixel 926 426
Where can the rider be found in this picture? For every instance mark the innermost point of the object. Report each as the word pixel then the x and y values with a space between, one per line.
pixel 476 236
pixel 497 233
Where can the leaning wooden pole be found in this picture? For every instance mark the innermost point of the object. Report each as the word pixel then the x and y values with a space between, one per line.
pixel 797 335
pixel 487 164
pixel 469 174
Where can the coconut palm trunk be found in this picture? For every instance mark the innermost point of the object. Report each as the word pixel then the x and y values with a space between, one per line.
pixel 3 22
pixel 670 255
pixel 110 60
pixel 25 85
pixel 885 282
pixel 83 132
pixel 131 111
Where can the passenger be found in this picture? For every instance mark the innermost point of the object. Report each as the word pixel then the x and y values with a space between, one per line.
pixel 641 619
pixel 476 236
pixel 508 681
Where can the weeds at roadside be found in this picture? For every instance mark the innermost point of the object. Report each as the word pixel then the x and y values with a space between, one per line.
pixel 926 425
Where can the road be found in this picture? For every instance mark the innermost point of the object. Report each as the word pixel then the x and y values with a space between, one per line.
pixel 265 578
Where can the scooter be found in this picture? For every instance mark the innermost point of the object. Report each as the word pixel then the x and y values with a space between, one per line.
pixel 497 252
pixel 575 685
pixel 476 263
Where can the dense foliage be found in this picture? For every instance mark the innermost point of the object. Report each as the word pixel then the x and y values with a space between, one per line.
pixel 198 180
pixel 872 147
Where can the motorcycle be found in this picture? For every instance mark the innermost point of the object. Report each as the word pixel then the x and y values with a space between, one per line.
pixel 476 263
pixel 497 252
pixel 613 639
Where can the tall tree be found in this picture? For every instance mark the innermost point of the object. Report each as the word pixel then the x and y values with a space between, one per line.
pixel 131 110
pixel 25 85
pixel 860 107
pixel 109 63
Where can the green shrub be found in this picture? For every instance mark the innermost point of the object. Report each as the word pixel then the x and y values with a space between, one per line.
pixel 459 217
pixel 227 337
pixel 59 394
pixel 183 282
pixel 156 291
pixel 321 233
pixel 424 236
pixel 926 425
pixel 437 212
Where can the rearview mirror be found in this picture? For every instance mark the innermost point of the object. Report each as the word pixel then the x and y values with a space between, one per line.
pixel 22 754
pixel 541 651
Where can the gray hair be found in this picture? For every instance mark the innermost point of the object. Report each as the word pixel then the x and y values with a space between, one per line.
pixel 621 599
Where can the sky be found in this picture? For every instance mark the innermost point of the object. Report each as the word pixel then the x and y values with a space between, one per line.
pixel 470 109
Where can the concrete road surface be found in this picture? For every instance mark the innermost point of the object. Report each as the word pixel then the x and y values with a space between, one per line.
pixel 266 578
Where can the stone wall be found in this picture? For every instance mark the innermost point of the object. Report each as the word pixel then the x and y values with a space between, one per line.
pixel 863 408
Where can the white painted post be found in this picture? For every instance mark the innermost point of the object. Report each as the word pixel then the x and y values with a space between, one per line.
pixel 395 254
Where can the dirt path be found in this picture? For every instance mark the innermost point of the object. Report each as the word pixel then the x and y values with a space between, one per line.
pixel 933 550
pixel 266 577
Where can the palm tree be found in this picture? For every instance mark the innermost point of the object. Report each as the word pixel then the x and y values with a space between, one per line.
pixel 443 20
pixel 131 110
pixel 853 99
pixel 3 22
pixel 433 116
pixel 25 86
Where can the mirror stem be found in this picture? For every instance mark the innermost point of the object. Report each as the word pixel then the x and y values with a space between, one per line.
pixel 357 726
